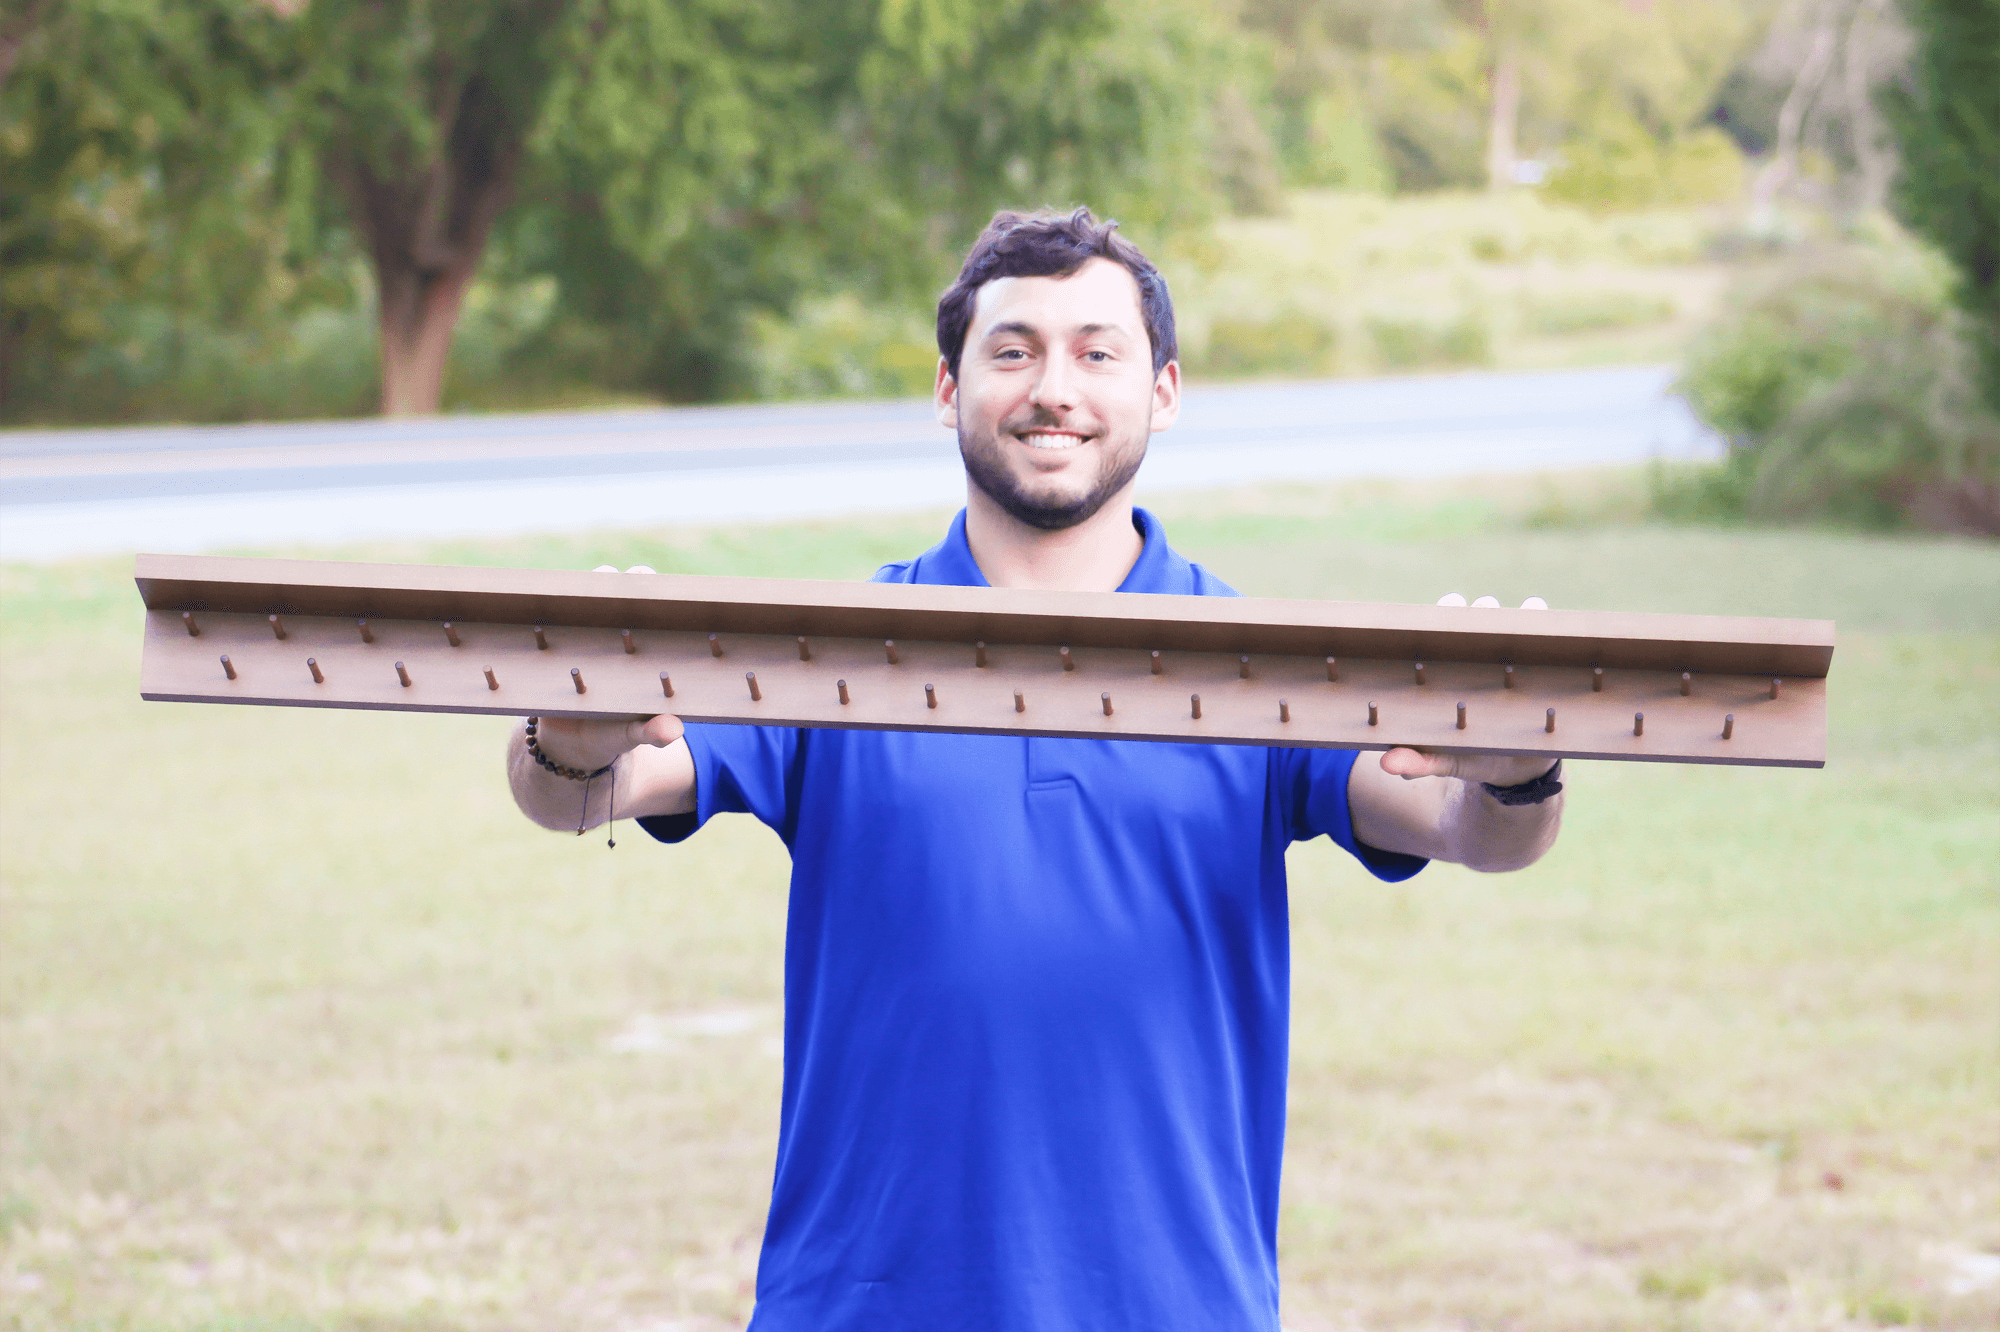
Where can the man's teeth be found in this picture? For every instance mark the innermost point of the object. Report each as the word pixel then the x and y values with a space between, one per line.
pixel 1047 440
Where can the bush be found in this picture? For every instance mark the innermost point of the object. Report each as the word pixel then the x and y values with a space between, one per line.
pixel 1592 312
pixel 1844 387
pixel 1413 344
pixel 1292 343
pixel 1625 166
pixel 839 347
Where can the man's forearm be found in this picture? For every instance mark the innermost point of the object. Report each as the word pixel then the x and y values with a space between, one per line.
pixel 1483 834
pixel 557 802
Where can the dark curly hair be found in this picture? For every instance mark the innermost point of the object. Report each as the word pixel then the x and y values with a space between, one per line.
pixel 1051 245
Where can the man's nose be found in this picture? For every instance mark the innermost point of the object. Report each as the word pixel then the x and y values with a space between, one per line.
pixel 1055 386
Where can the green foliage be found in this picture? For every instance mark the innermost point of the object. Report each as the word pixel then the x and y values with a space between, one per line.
pixel 842 347
pixel 1291 342
pixel 1947 124
pixel 1420 344
pixel 1621 165
pixel 184 183
pixel 1590 312
pixel 1842 385
pixel 144 252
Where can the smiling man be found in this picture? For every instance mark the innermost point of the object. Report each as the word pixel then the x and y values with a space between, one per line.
pixel 1037 989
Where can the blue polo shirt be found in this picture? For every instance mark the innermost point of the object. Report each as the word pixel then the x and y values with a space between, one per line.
pixel 1037 998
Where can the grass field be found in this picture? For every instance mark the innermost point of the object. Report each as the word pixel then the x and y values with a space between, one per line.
pixel 302 1025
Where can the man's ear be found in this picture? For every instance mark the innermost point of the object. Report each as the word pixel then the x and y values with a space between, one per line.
pixel 1167 395
pixel 945 395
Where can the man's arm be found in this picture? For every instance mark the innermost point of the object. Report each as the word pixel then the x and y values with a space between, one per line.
pixel 655 772
pixel 1433 805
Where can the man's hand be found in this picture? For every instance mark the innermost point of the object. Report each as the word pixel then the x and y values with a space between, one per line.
pixel 1437 809
pixel 654 774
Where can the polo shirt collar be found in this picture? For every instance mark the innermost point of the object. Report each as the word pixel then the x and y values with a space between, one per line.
pixel 1159 568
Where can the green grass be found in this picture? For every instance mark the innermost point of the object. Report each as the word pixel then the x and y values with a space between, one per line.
pixel 302 1025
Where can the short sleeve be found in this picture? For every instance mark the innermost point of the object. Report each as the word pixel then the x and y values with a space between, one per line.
pixel 738 770
pixel 1314 788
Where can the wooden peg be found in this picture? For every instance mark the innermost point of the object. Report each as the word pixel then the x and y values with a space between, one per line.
pixel 805 650
pixel 194 630
pixel 1243 667
pixel 1638 724
pixel 576 678
pixel 1332 669
pixel 666 686
pixel 714 646
pixel 278 628
pixel 367 635
pixel 541 639
pixel 1107 703
pixel 1020 703
pixel 1373 716
pixel 756 695
pixel 1550 726
pixel 930 696
pixel 1284 711
pixel 625 637
pixel 889 651
pixel 841 685
pixel 492 681
pixel 1775 685
pixel 1461 717
pixel 1194 703
pixel 979 654
pixel 1419 672
pixel 1507 676
pixel 312 666
pixel 1687 683
pixel 1597 680
pixel 450 634
pixel 1157 667
pixel 403 674
pixel 227 669
pixel 1069 663
pixel 1728 725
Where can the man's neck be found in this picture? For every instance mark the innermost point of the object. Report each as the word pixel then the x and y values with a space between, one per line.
pixel 1093 556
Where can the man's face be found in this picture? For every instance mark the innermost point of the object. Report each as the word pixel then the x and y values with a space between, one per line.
pixel 1056 396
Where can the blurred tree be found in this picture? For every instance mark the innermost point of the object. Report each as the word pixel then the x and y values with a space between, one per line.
pixel 418 112
pixel 1947 124
pixel 864 154
pixel 138 165
pixel 673 164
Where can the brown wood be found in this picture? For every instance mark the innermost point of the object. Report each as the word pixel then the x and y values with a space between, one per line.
pixel 1601 667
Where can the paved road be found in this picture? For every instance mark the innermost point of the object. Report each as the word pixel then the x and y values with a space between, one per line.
pixel 68 493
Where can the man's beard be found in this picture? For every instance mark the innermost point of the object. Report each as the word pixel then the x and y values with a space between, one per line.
pixel 989 472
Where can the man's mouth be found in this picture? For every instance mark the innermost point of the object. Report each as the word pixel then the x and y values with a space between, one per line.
pixel 1051 439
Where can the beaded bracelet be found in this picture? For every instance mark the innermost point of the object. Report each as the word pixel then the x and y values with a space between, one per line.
pixel 560 770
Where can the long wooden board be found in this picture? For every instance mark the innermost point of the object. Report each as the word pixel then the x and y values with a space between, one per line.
pixel 1258 665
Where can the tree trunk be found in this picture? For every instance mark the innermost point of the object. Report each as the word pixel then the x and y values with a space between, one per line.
pixel 1784 163
pixel 425 234
pixel 1503 118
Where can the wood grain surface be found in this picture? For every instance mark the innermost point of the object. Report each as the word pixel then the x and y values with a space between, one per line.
pixel 1280 696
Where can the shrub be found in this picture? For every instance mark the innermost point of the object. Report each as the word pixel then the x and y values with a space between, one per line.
pixel 1414 344
pixel 1291 343
pixel 1844 387
pixel 840 347
pixel 1592 312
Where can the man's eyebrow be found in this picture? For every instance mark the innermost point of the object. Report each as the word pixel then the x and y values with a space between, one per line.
pixel 1015 326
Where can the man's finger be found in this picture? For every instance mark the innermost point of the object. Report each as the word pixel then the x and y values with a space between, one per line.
pixel 1407 763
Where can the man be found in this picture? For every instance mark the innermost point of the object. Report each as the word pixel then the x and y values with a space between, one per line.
pixel 1037 989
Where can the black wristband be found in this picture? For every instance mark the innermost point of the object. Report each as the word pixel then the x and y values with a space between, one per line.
pixel 1532 792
